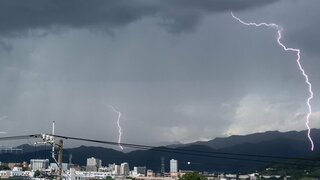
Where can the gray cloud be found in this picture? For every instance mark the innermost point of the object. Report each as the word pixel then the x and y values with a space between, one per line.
pixel 224 78
pixel 27 16
pixel 308 36
pixel 3 118
pixel 184 15
pixel 5 46
pixel 301 24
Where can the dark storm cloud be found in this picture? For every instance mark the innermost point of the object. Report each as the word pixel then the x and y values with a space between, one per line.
pixel 222 79
pixel 22 16
pixel 218 5
pixel 32 14
pixel 184 15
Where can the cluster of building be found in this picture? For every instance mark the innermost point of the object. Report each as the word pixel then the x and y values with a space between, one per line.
pixel 15 170
pixel 95 170
pixel 92 170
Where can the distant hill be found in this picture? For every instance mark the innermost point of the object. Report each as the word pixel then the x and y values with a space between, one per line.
pixel 222 142
pixel 276 147
pixel 29 148
pixel 290 144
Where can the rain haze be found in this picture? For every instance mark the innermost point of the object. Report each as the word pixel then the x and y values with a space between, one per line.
pixel 177 70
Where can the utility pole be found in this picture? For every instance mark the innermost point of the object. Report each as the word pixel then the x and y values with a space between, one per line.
pixel 49 139
pixel 60 151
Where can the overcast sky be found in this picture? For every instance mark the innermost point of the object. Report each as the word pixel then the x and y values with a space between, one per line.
pixel 178 70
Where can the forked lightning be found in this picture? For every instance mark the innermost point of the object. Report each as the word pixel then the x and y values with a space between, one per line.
pixel 297 51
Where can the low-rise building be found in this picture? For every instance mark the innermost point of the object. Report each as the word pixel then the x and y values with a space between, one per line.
pixel 4 174
pixel 39 164
pixel 85 175
pixel 16 172
pixel 11 165
pixel 150 173
pixel 139 171
pixel 54 166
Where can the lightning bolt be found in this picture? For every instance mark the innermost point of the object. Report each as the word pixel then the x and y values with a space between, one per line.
pixel 297 51
pixel 118 123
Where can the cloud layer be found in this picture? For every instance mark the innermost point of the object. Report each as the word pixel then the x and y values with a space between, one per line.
pixel 29 16
pixel 218 79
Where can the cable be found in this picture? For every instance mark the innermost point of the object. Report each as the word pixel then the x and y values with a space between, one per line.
pixel 191 152
pixel 20 137
pixel 212 154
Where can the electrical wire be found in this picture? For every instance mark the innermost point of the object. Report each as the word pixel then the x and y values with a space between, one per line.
pixel 212 154
pixel 20 137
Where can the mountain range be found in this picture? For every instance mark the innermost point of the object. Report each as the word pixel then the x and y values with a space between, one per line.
pixel 214 155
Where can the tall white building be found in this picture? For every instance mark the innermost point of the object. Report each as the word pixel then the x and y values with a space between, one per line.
pixel 39 164
pixel 116 170
pixel 173 165
pixel 124 169
pixel 93 164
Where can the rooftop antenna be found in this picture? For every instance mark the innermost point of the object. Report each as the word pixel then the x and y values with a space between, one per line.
pixel 52 151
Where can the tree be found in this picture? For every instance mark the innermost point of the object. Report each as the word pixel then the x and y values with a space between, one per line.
pixel 4 167
pixel 25 168
pixel 37 173
pixel 192 176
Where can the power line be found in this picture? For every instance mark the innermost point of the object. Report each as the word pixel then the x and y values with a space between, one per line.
pixel 20 137
pixel 193 152
pixel 211 154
